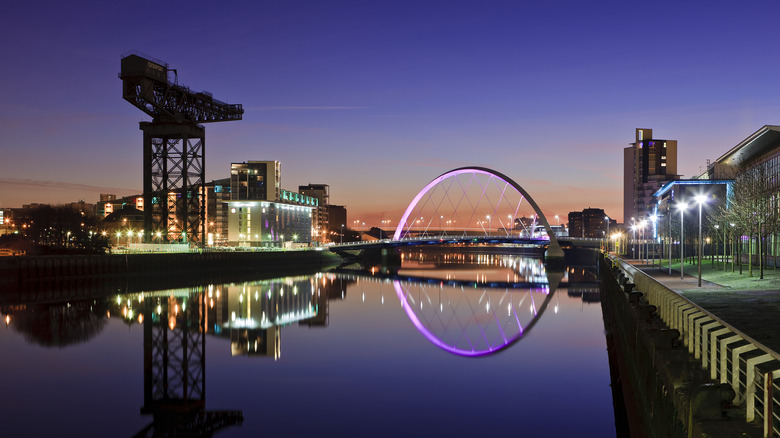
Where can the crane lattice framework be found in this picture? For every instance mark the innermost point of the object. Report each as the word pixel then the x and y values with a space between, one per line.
pixel 174 147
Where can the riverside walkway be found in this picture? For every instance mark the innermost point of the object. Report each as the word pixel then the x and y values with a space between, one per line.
pixel 749 304
pixel 729 325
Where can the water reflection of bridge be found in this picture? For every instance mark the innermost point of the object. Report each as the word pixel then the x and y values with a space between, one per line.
pixel 179 319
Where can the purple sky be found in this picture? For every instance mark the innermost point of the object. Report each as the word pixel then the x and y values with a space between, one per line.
pixel 378 98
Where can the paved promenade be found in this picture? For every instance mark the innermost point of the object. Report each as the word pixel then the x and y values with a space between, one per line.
pixel 756 313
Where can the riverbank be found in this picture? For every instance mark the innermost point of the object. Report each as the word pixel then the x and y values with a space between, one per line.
pixel 86 274
pixel 749 304
pixel 728 334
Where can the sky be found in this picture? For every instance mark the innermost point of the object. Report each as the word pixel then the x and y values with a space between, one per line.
pixel 377 98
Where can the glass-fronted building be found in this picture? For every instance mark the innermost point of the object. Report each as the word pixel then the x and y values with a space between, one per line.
pixel 271 224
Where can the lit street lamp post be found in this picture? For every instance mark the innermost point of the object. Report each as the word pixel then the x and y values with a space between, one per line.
pixel 681 207
pixel 700 199
pixel 669 213
pixel 653 234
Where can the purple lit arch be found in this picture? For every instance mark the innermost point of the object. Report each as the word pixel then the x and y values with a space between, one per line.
pixel 506 341
pixel 554 249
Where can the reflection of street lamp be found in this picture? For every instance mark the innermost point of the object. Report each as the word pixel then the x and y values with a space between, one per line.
pixel 700 199
pixel 681 207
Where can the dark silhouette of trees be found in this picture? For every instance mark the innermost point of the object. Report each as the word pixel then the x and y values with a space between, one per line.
pixel 62 228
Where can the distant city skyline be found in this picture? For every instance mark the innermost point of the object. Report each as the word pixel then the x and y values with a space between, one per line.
pixel 376 99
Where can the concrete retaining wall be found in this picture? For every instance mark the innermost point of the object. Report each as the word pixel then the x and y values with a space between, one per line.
pixel 653 340
pixel 30 272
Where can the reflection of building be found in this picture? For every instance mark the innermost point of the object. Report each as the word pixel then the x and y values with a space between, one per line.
pixel 258 310
pixel 583 283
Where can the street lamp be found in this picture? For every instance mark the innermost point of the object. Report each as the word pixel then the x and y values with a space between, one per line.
pixel 606 218
pixel 654 218
pixel 700 199
pixel 633 241
pixel 681 206
pixel 669 253
pixel 341 242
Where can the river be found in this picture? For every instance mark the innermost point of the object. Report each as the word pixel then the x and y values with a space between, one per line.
pixel 449 345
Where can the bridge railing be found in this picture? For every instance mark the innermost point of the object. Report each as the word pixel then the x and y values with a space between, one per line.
pixel 750 368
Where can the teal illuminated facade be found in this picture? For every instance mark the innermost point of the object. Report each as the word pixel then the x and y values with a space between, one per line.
pixel 271 224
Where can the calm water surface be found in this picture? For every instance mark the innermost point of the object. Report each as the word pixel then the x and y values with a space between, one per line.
pixel 454 345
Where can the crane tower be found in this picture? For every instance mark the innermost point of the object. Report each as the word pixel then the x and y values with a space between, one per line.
pixel 174 152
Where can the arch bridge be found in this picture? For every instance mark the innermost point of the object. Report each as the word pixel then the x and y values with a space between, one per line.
pixel 472 205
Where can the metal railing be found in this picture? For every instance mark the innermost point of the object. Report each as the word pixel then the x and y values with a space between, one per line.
pixel 732 357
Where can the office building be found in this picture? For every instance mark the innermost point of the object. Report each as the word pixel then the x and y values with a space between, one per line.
pixel 256 180
pixel 337 222
pixel 591 222
pixel 269 224
pixel 320 222
pixel 648 164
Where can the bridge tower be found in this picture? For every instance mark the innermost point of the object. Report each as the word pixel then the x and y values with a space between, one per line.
pixel 174 148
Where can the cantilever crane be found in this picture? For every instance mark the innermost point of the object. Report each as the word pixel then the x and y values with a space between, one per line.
pixel 174 147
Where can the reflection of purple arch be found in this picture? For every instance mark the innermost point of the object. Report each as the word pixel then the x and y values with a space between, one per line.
pixel 554 249
pixel 508 342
